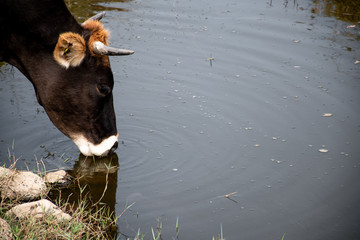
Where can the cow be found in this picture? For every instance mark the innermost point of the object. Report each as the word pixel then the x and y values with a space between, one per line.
pixel 68 65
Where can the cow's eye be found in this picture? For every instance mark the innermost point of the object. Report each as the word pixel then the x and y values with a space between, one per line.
pixel 103 89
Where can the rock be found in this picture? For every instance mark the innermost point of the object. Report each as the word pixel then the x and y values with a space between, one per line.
pixel 58 177
pixel 21 186
pixel 37 209
pixel 5 231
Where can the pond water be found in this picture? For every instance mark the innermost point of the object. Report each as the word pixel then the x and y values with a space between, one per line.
pixel 258 100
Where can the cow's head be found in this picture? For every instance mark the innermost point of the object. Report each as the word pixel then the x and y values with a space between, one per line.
pixel 79 99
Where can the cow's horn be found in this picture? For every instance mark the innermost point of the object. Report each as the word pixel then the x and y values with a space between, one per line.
pixel 97 16
pixel 102 49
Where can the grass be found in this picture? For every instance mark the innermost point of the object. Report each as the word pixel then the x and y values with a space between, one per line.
pixel 89 220
pixel 85 224
pixel 220 236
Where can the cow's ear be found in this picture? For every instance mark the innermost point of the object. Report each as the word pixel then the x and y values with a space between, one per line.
pixel 70 50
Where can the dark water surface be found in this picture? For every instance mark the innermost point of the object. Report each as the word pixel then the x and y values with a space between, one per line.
pixel 220 97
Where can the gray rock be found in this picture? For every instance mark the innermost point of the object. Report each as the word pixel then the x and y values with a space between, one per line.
pixel 38 209
pixel 5 231
pixel 21 186
pixel 58 177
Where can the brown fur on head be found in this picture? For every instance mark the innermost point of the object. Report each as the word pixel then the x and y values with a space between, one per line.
pixel 70 49
pixel 98 33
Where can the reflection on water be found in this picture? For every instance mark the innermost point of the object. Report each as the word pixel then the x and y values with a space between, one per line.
pixel 95 181
pixel 97 178
pixel 84 9
pixel 345 10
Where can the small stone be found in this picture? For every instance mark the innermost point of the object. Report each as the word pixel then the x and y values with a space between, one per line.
pixel 38 209
pixel 58 177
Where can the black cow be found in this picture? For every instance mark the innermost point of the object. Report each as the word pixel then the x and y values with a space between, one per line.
pixel 68 65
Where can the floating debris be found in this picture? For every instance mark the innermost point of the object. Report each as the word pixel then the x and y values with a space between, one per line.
pixel 174 169
pixel 276 161
pixel 323 150
pixel 350 26
pixel 327 115
pixel 210 59
pixel 357 62
pixel 228 196
pixel 296 41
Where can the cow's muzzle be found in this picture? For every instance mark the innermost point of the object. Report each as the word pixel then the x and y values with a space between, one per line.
pixel 106 147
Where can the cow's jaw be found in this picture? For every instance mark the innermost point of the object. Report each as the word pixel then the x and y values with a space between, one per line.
pixel 87 148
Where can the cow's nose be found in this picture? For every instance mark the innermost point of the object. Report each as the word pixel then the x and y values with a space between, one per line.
pixel 114 147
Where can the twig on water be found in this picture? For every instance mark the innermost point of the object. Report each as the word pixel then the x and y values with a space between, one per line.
pixel 228 196
pixel 210 59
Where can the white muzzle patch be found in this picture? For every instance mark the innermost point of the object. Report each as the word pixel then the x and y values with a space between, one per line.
pixel 89 149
